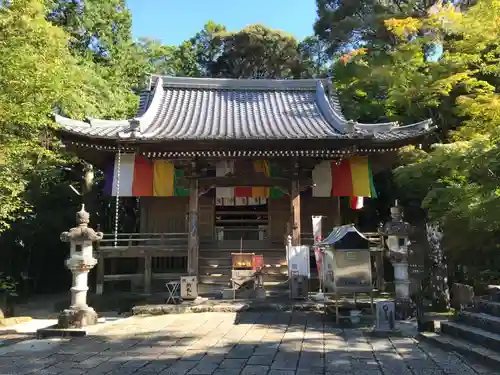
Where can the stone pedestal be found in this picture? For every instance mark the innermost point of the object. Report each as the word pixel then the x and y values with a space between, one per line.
pixel 80 262
pixel 401 280
pixel 77 318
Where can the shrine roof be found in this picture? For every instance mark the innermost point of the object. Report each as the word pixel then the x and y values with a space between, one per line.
pixel 179 108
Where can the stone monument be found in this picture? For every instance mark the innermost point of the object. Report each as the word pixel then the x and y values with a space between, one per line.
pixel 80 262
pixel 397 232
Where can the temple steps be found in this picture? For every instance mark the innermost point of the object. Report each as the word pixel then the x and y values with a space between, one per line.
pixel 488 307
pixel 480 320
pixel 208 270
pixel 449 343
pixel 215 265
pixel 474 332
pixel 225 279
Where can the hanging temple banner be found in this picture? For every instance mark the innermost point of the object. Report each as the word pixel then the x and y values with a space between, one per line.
pixel 132 175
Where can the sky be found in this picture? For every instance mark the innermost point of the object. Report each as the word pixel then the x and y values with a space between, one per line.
pixel 173 21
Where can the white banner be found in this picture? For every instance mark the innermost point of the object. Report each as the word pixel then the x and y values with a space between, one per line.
pixel 316 227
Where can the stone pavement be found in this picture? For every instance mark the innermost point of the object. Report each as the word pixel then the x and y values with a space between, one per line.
pixel 230 344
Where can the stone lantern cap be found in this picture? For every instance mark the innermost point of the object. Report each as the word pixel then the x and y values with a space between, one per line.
pixel 81 232
pixel 396 227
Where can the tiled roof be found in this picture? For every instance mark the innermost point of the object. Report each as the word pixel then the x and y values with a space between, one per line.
pixel 177 108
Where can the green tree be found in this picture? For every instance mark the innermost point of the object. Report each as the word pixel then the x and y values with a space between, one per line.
pixel 351 24
pixel 396 76
pixel 257 52
pixel 315 57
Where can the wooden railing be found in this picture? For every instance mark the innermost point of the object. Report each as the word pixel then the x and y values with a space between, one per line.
pixel 163 256
pixel 160 257
pixel 156 240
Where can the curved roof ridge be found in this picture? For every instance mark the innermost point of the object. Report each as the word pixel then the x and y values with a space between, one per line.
pixel 94 122
pixel 66 121
pixel 238 84
pixel 334 119
pixel 377 127
pixel 421 125
pixel 146 119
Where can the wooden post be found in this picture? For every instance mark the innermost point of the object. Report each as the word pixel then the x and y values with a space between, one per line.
pixel 379 264
pixel 338 209
pixel 295 207
pixel 99 282
pixel 147 273
pixel 193 238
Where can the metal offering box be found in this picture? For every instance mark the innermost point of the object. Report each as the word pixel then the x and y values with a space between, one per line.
pixel 352 270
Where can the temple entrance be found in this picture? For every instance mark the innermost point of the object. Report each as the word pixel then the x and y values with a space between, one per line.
pixel 242 222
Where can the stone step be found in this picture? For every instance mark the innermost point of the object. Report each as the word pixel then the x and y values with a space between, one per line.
pixel 273 270
pixel 488 307
pixel 474 335
pixel 484 321
pixel 266 250
pixel 226 261
pixel 448 343
pixel 223 278
pixel 214 289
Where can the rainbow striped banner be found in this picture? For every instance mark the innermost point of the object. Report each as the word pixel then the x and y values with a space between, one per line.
pixel 351 178
pixel 140 177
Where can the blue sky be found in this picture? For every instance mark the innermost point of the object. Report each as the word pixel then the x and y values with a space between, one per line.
pixel 173 21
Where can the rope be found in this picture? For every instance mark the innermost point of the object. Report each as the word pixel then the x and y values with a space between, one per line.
pixel 117 202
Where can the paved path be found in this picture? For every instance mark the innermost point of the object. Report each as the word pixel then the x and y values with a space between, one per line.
pixel 230 344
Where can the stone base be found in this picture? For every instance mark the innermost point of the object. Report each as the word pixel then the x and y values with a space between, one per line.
pixel 405 309
pixel 77 318
pixel 55 331
pixel 260 294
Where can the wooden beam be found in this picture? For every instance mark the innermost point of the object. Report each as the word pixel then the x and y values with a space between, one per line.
pixel 295 207
pixel 256 180
pixel 338 211
pixel 193 238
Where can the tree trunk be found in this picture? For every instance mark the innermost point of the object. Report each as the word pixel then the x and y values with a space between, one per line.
pixel 3 305
pixel 439 269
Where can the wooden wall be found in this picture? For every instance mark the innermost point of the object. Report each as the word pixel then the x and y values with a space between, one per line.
pixel 279 216
pixel 169 215
pixel 315 206
pixel 164 215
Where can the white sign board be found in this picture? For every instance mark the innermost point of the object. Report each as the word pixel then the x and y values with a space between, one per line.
pixel 298 261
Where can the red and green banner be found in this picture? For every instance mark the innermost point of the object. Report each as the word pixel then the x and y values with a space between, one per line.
pixel 135 176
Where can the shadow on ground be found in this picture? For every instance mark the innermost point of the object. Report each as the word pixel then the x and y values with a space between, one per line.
pixel 228 343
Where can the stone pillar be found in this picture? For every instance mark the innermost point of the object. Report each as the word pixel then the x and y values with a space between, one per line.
pixel 80 262
pixel 397 232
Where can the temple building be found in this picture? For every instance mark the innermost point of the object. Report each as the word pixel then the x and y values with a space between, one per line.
pixel 223 165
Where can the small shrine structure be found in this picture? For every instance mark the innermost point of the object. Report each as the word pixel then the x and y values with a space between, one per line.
pixel 222 165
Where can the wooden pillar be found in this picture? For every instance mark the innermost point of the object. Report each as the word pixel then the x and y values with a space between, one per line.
pixel 295 208
pixel 379 265
pixel 338 210
pixel 99 278
pixel 147 273
pixel 193 238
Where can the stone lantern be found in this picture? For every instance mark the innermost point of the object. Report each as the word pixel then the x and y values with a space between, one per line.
pixel 80 262
pixel 397 234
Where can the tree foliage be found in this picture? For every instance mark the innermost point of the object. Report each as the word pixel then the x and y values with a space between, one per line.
pixel 443 64
pixel 38 74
